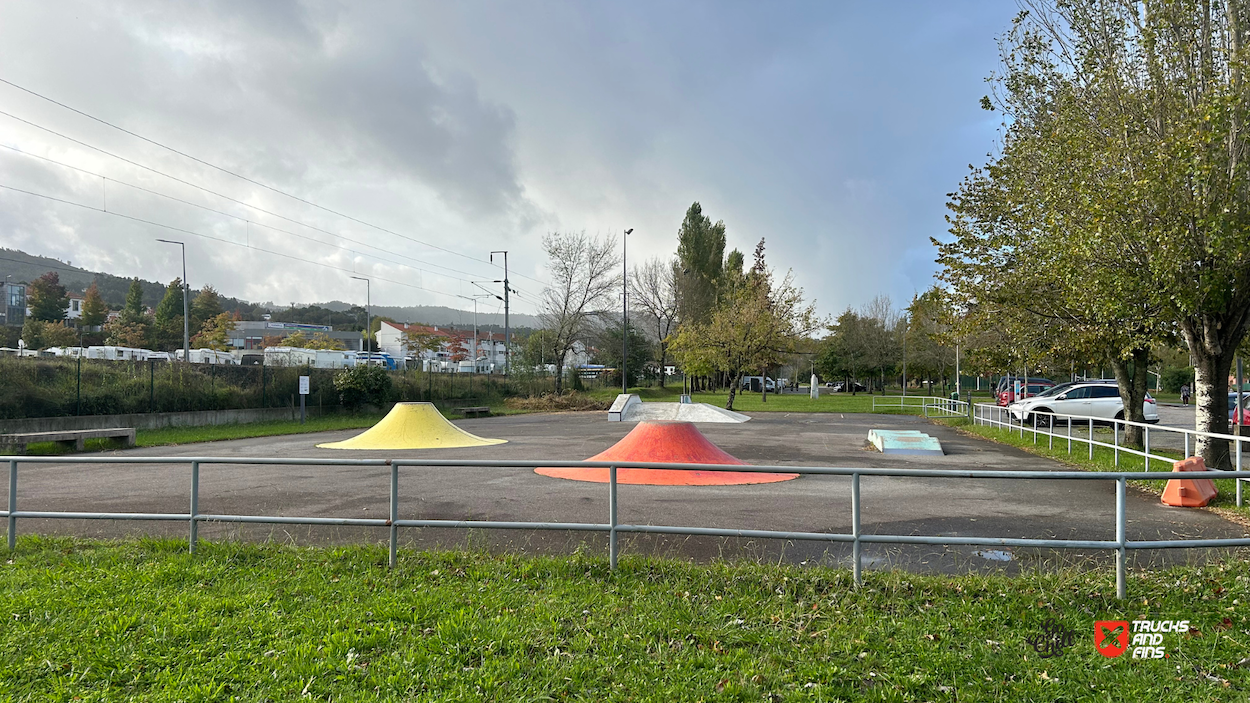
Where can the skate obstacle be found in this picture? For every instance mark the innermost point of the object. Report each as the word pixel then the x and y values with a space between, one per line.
pixel 413 426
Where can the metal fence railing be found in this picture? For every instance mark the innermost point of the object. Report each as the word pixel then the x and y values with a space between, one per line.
pixel 929 406
pixel 613 527
pixel 1045 424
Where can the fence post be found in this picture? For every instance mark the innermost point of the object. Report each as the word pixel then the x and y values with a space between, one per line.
pixel 394 513
pixel 1121 586
pixel 1239 479
pixel 1147 448
pixel 1091 439
pixel 195 505
pixel 857 562
pixel 1069 435
pixel 12 504
pixel 1186 445
pixel 1115 440
pixel 1035 429
pixel 612 547
pixel 1050 431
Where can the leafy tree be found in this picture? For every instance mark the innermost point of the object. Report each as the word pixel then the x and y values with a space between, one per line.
pixel 133 310
pixel 94 309
pixel 39 334
pixel 751 329
pixel 419 339
pixel 538 350
pixel 362 384
pixel 653 288
pixel 844 353
pixel 926 328
pixel 583 284
pixel 204 306
pixel 47 298
pixel 167 320
pixel 700 260
pixel 122 333
pixel 214 333
pixel 608 352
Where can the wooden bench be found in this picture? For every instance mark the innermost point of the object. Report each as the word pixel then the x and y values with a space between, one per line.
pixel 476 411
pixel 75 438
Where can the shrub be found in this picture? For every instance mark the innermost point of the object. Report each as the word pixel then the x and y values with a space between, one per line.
pixel 362 384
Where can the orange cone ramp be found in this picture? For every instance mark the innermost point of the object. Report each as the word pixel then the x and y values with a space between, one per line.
pixel 666 443
pixel 413 426
pixel 1189 492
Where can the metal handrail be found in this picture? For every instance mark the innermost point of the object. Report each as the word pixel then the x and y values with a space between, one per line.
pixel 981 416
pixel 613 527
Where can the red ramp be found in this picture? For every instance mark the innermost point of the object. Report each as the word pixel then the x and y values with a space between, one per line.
pixel 666 443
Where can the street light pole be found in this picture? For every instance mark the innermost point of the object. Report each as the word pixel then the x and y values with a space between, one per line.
pixel 625 312
pixel 507 329
pixel 368 317
pixel 186 306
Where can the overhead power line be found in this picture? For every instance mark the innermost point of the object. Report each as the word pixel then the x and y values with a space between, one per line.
pixel 229 172
pixel 258 224
pixel 215 239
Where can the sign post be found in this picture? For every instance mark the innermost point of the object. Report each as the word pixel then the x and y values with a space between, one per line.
pixel 303 394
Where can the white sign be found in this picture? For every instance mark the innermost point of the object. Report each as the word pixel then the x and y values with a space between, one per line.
pixel 303 385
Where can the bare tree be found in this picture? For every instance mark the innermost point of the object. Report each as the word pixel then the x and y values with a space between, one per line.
pixel 653 288
pixel 583 283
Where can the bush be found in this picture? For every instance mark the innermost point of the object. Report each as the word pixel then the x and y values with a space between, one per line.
pixel 362 384
pixel 1174 378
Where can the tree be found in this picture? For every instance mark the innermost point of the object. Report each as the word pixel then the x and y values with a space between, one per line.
pixel 844 353
pixel 38 334
pixel 362 384
pixel 94 309
pixel 204 306
pixel 700 261
pixel 1122 195
pixel 421 339
pixel 608 351
pixel 167 320
pixel 753 326
pixel 926 329
pixel 214 334
pixel 133 310
pixel 538 351
pixel 583 284
pixel 653 287
pixel 47 298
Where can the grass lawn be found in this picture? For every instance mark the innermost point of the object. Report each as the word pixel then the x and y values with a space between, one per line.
pixel 788 402
pixel 143 620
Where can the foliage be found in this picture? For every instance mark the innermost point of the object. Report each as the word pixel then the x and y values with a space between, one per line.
pixel 167 326
pixel 133 311
pixel 538 350
pixel 417 340
pixel 607 344
pixel 319 340
pixel 94 309
pixel 929 347
pixel 700 265
pixel 123 333
pixel 47 298
pixel 204 306
pixel 754 325
pixel 583 284
pixel 42 335
pixel 215 333
pixel 362 384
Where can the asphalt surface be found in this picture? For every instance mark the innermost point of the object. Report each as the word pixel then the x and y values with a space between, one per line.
pixel 936 506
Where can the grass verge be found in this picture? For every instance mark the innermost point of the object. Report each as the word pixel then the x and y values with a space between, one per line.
pixel 788 402
pixel 143 620
pixel 1103 459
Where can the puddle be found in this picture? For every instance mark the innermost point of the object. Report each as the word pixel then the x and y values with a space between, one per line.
pixel 994 554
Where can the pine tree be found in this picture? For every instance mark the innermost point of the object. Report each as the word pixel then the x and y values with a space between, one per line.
pixel 94 309
pixel 47 298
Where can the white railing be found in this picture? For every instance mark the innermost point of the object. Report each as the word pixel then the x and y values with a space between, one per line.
pixel 1044 424
pixel 929 406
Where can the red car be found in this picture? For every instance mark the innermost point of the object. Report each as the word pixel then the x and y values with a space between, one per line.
pixel 1006 391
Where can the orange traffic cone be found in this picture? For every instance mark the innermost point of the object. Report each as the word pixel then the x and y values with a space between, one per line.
pixel 1189 492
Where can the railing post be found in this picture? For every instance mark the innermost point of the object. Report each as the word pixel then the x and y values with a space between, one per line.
pixel 1147 447
pixel 1121 585
pixel 1069 435
pixel 1186 433
pixel 195 507
pixel 1091 439
pixel 857 561
pixel 12 504
pixel 1115 440
pixel 1035 429
pixel 394 546
pixel 1239 479
pixel 1050 431
pixel 612 546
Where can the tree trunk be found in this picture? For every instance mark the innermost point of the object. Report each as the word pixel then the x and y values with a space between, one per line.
pixel 733 390
pixel 764 386
pixel 1212 344
pixel 559 375
pixel 1131 375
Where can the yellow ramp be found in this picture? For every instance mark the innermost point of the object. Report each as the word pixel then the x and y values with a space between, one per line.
pixel 413 426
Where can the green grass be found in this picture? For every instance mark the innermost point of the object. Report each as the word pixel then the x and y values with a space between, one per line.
pixel 1104 459
pixel 788 402
pixel 143 620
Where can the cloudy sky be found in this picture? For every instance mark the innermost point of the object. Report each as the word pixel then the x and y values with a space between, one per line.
pixel 405 141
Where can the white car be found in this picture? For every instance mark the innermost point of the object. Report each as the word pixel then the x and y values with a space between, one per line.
pixel 1096 399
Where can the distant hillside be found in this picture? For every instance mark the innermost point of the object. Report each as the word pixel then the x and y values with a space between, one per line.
pixel 25 268
pixel 439 315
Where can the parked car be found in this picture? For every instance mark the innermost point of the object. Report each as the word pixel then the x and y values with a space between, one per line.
pixel 1232 408
pixel 1099 399
pixel 1005 393
pixel 840 386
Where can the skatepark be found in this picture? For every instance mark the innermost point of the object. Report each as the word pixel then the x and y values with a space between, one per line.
pixel 945 507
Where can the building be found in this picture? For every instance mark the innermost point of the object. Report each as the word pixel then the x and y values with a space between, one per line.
pixel 456 347
pixel 73 309
pixel 251 334
pixel 12 303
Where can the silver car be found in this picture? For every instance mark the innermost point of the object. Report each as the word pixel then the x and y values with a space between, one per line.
pixel 1097 399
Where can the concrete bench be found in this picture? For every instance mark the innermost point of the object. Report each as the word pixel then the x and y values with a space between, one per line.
pixel 75 438
pixel 476 411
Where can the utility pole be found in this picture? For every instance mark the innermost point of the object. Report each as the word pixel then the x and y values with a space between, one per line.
pixel 186 306
pixel 625 314
pixel 507 329
pixel 364 343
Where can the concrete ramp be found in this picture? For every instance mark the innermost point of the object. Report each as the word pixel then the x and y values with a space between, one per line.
pixel 905 442
pixel 412 426
pixel 629 408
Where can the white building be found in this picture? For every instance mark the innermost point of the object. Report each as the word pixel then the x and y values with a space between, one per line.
pixel 455 352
